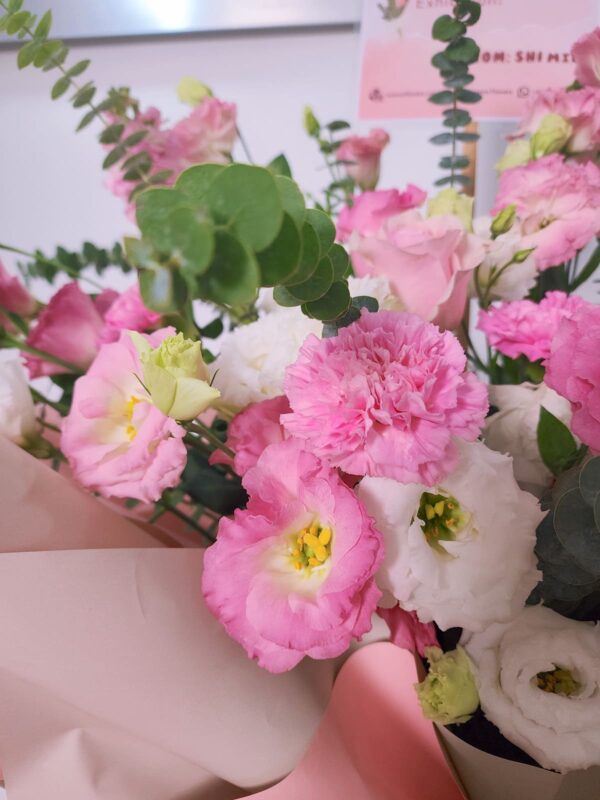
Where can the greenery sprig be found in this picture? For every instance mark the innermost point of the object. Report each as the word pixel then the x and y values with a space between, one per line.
pixel 338 193
pixel 453 64
pixel 73 263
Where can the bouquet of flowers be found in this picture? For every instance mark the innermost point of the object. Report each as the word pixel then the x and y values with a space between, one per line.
pixel 369 405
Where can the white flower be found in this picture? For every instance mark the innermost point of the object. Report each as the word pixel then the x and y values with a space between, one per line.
pixel 377 286
pixel 513 428
pixel 17 412
pixel 253 358
pixel 514 281
pixel 462 553
pixel 559 724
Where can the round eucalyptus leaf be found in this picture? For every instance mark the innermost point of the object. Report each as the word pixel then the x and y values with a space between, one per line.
pixel 194 181
pixel 292 199
pixel 340 261
pixel 233 276
pixel 324 228
pixel 281 258
pixel 334 303
pixel 153 206
pixel 309 256
pixel 589 480
pixel 284 298
pixel 463 51
pixel 446 28
pixel 163 289
pixel 317 285
pixel 191 241
pixel 576 530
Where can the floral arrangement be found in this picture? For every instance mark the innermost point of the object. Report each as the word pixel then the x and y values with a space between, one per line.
pixel 332 429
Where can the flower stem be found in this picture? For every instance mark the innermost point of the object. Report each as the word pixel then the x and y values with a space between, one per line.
pixel 10 342
pixel 187 519
pixel 52 263
pixel 244 144
pixel 201 429
pixel 40 398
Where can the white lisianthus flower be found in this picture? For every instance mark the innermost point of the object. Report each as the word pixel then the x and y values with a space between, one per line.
pixel 513 281
pixel 17 412
pixel 539 683
pixel 253 358
pixel 377 286
pixel 513 428
pixel 460 554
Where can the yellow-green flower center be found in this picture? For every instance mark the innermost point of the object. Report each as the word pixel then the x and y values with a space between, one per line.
pixel 311 547
pixel 442 518
pixel 558 681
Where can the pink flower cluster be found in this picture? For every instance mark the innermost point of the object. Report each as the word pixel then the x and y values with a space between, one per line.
pixel 558 206
pixel 370 210
pixel 586 53
pixel 207 134
pixel 362 155
pixel 527 328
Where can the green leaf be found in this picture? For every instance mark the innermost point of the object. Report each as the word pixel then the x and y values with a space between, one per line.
pixel 189 240
pixel 139 253
pixel 456 118
pixel 84 95
pixel 163 289
pixel 556 443
pixel 323 227
pixel 116 154
pixel 576 529
pixel 26 54
pixel 112 134
pixel 467 96
pixel 284 298
pixel 442 98
pixel 466 137
pixel 447 28
pixel 340 262
pixel 14 5
pixel 589 481
pixel 442 62
pixel 87 118
pixel 450 180
pixel 57 57
pixel 464 51
pixel 135 138
pixel 152 208
pixel 281 258
pixel 233 277
pixel 334 303
pixel 139 161
pixel 194 182
pixel 46 52
pixel 78 68
pixel 459 81
pixel 468 11
pixel 213 330
pixel 161 176
pixel 280 166
pixel 454 162
pixel 246 198
pixel 16 21
pixel 292 199
pixel 43 27
pixel 210 487
pixel 60 87
pixel 441 138
pixel 317 285
pixel 309 257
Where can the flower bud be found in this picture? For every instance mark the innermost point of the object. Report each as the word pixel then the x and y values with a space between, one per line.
pixel 175 376
pixel 449 201
pixel 504 220
pixel 448 695
pixel 551 136
pixel 192 92
pixel 311 123
pixel 516 154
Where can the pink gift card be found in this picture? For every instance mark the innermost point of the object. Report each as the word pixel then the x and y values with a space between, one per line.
pixel 525 46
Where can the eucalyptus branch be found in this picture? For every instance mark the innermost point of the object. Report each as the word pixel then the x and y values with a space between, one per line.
pixel 51 263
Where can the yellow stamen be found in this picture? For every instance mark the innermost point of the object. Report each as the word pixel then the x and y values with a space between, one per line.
pixel 321 552
pixel 131 432
pixel 439 508
pixel 314 562
pixel 429 512
pixel 297 565
pixel 311 540
pixel 296 551
pixel 325 536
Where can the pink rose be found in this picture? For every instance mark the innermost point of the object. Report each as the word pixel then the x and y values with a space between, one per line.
pixel 586 52
pixel 207 134
pixel 128 312
pixel 407 631
pixel 580 108
pixel 558 206
pixel 69 327
pixel 573 370
pixel 370 210
pixel 14 297
pixel 428 263
pixel 527 328
pixel 117 443
pixel 364 153
pixel 292 575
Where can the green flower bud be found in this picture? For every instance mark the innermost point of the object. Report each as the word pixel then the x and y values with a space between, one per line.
pixel 192 92
pixel 175 376
pixel 311 123
pixel 504 220
pixel 448 694
pixel 516 154
pixel 449 201
pixel 551 136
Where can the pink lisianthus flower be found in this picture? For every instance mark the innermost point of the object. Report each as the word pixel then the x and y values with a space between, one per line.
pixel 557 204
pixel 117 443
pixel 428 263
pixel 128 312
pixel 14 297
pixel 370 210
pixel 207 134
pixel 406 631
pixel 385 397
pixel 292 574
pixel 586 52
pixel 363 154
pixel 573 370
pixel 69 327
pixel 527 328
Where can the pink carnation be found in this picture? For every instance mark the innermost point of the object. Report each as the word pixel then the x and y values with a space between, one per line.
pixel 69 328
pixel 573 370
pixel 292 574
pixel 586 52
pixel 207 134
pixel 128 312
pixel 385 397
pixel 557 203
pixel 428 263
pixel 407 631
pixel 527 328
pixel 370 210
pixel 116 441
pixel 363 154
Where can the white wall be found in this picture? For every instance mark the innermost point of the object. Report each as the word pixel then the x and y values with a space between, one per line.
pixel 51 182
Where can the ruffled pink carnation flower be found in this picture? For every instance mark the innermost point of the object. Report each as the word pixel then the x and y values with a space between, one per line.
pixel 557 203
pixel 292 574
pixel 385 397
pixel 573 370
pixel 363 154
pixel 128 312
pixel 69 327
pixel 118 443
pixel 207 134
pixel 586 52
pixel 370 210
pixel 406 630
pixel 527 328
